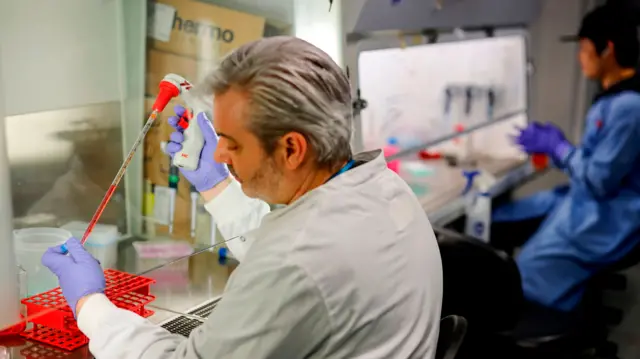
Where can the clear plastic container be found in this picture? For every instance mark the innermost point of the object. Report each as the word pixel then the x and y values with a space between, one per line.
pixel 102 242
pixel 30 244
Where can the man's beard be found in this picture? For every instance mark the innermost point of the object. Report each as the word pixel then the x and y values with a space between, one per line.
pixel 233 173
pixel 264 183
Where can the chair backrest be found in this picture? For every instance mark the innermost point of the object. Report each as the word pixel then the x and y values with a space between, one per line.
pixel 481 284
pixel 452 331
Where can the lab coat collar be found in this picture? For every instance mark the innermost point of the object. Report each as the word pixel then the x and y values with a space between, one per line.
pixel 367 165
pixel 630 84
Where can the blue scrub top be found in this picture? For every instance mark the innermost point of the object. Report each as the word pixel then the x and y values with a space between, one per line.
pixel 595 220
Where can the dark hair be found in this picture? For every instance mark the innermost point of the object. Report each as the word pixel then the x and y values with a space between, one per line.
pixel 627 52
pixel 627 46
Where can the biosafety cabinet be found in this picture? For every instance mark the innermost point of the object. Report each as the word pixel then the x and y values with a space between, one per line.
pixel 78 78
pixel 76 100
pixel 441 87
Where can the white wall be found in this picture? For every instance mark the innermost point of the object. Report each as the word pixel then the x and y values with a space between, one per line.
pixel 59 54
pixel 315 23
pixel 555 94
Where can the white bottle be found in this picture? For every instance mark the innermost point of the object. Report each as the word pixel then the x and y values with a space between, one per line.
pixel 478 211
pixel 478 205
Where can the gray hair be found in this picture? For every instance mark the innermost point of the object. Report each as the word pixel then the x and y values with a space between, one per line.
pixel 293 86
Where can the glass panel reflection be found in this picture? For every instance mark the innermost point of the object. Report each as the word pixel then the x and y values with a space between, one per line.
pixel 183 285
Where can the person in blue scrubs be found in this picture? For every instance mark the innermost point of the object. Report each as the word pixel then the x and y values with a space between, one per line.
pixel 594 220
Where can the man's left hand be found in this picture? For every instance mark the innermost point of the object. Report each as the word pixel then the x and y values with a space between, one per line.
pixel 543 138
pixel 78 272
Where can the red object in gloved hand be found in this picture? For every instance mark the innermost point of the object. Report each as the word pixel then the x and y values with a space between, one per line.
pixel 544 138
pixel 540 161
pixel 429 155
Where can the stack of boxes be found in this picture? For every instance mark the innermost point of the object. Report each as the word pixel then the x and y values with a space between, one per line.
pixel 188 38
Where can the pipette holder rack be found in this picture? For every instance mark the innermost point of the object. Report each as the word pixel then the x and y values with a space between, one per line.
pixel 58 327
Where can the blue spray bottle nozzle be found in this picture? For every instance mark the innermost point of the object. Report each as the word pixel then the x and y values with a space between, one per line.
pixel 469 175
pixel 63 248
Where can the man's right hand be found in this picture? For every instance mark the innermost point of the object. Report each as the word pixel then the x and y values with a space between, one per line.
pixel 209 172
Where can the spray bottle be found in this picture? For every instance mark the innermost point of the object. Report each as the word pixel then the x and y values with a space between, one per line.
pixel 478 204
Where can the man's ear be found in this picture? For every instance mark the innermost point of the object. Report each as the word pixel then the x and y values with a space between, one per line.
pixel 294 148
pixel 608 50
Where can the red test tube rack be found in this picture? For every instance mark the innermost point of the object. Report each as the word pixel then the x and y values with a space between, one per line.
pixel 53 322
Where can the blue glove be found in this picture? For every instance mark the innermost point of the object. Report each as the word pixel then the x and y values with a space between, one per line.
pixel 547 139
pixel 209 172
pixel 79 274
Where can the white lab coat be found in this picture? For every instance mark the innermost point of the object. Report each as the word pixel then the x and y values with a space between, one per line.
pixel 236 214
pixel 349 270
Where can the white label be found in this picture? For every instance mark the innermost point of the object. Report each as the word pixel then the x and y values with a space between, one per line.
pixel 162 204
pixel 160 20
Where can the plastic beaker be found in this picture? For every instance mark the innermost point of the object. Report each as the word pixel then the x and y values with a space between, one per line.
pixel 30 244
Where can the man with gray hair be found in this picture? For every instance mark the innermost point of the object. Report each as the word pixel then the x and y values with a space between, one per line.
pixel 348 268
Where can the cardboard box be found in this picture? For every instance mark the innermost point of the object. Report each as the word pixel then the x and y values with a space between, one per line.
pixel 206 31
pixel 161 63
pixel 156 162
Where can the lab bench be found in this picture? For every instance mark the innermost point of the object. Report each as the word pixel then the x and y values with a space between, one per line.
pixel 443 202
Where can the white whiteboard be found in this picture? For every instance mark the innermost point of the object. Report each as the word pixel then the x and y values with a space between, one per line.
pixel 405 88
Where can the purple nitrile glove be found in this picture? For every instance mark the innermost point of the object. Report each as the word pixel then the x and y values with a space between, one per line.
pixel 547 139
pixel 209 172
pixel 79 274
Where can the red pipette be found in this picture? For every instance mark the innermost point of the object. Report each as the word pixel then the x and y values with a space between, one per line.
pixel 169 88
